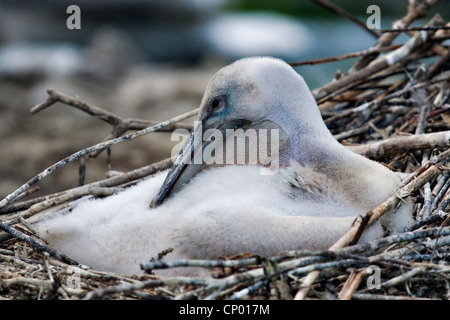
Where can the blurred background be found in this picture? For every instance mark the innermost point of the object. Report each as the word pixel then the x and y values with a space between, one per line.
pixel 148 59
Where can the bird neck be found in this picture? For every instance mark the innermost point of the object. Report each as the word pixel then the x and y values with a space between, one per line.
pixel 312 145
pixel 365 181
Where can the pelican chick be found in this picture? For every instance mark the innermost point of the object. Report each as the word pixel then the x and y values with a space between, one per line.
pixel 304 194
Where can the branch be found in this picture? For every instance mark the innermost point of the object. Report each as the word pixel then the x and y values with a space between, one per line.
pixel 399 144
pixel 41 246
pixel 12 196
pixel 120 125
pixel 116 180
pixel 415 29
pixel 338 10
pixel 388 60
pixel 415 10
pixel 367 220
pixel 171 282
pixel 345 56
pixel 149 266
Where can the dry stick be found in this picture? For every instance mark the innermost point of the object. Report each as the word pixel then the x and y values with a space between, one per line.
pixel 438 66
pixel 351 284
pixel 11 197
pixel 17 234
pixel 441 199
pixel 352 92
pixel 381 63
pixel 260 274
pixel 433 161
pixel 345 56
pixel 399 144
pixel 419 96
pixel 357 131
pixel 443 204
pixel 120 125
pixel 368 219
pixel 378 297
pixel 331 6
pixel 305 257
pixel 375 245
pixel 375 102
pixel 54 96
pixel 149 266
pixel 428 196
pixel 403 193
pixel 311 268
pixel 99 113
pixel 415 29
pixel 350 236
pixel 66 197
pixel 403 277
pixel 170 282
pixel 323 106
pixel 415 11
pixel 105 183
pixel 344 241
pixel 235 279
pixel 245 292
pixel 440 188
pixel 28 192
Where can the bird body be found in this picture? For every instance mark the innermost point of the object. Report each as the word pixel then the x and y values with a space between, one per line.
pixel 308 200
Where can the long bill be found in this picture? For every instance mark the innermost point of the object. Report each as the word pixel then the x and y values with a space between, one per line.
pixel 191 159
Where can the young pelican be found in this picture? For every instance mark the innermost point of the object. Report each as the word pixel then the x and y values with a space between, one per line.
pixel 304 194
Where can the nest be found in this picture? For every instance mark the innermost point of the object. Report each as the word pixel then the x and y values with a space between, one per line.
pixel 391 106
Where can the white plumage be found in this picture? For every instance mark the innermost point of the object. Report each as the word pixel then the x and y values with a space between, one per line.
pixel 308 204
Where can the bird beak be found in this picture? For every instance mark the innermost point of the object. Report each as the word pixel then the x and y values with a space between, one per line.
pixel 190 160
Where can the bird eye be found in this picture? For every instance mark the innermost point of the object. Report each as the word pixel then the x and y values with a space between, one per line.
pixel 216 103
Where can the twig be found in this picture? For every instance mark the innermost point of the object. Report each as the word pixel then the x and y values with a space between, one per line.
pixel 440 189
pixel 148 266
pixel 351 284
pixel 67 196
pixel 82 190
pixel 373 103
pixel 170 282
pixel 47 266
pixel 402 194
pixel 373 246
pixel 28 192
pixel 348 238
pixel 245 292
pixel 438 66
pixel 345 56
pixel 415 11
pixel 399 144
pixel 120 124
pixel 41 246
pixel 367 220
pixel 11 197
pixel 414 29
pixel 331 6
pixel 366 296
pixel 390 59
pixel 387 98
pixel 402 278
pixel 357 131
